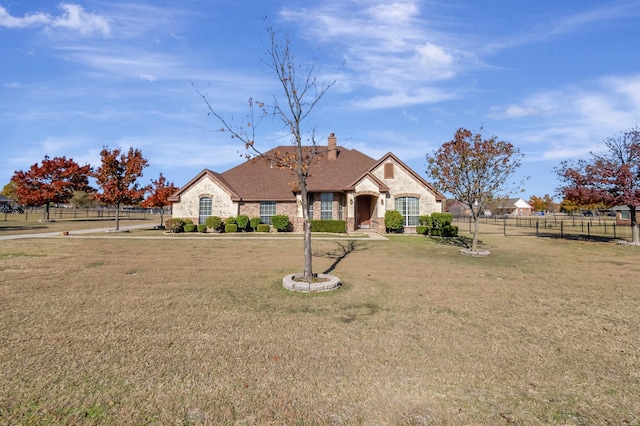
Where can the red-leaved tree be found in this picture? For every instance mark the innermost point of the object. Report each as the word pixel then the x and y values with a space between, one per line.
pixel 610 178
pixel 118 177
pixel 474 170
pixel 160 191
pixel 52 181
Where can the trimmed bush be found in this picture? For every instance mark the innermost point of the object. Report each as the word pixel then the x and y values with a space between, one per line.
pixel 189 227
pixel 450 231
pixel 174 225
pixel 202 228
pixel 230 221
pixel 335 226
pixel 214 222
pixel 243 221
pixel 393 221
pixel 280 222
pixel 422 230
pixel 263 227
pixel 232 227
pixel 442 219
pixel 187 221
pixel 254 222
pixel 426 220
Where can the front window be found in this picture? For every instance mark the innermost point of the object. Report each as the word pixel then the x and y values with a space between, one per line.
pixel 267 209
pixel 204 210
pixel 625 215
pixel 326 206
pixel 409 208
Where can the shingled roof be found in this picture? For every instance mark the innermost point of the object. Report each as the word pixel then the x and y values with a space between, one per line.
pixel 335 169
pixel 258 180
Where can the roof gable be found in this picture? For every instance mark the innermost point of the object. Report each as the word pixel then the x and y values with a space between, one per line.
pixel 208 174
pixel 410 171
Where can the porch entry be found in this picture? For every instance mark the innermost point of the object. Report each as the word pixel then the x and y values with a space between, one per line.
pixel 365 205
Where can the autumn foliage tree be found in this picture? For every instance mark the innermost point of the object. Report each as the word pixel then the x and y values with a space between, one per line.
pixel 53 181
pixel 474 170
pixel 300 92
pixel 606 179
pixel 118 177
pixel 159 193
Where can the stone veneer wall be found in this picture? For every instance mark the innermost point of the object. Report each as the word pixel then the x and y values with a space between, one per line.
pixel 189 205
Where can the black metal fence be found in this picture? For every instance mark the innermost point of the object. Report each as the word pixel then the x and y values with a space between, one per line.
pixel 560 226
pixel 56 213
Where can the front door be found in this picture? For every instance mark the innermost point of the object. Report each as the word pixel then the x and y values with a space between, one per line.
pixel 363 211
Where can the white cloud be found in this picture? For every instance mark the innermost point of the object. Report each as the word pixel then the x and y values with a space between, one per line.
pixel 73 17
pixel 387 47
pixel 572 122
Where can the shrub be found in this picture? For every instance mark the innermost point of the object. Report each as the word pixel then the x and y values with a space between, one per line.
pixel 230 221
pixel 280 222
pixel 242 221
pixel 214 222
pixel 189 227
pixel 174 225
pixel 202 227
pixel 422 230
pixel 450 231
pixel 393 221
pixel 263 227
pixel 254 222
pixel 436 232
pixel 187 221
pixel 442 219
pixel 426 220
pixel 335 226
pixel 232 227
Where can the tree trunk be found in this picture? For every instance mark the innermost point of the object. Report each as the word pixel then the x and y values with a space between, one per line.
pixel 635 237
pixel 306 228
pixel 117 216
pixel 46 211
pixel 476 229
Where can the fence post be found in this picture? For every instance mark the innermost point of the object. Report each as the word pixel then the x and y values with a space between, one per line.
pixel 537 225
pixel 562 229
pixel 614 230
pixel 470 224
pixel 504 226
pixel 588 230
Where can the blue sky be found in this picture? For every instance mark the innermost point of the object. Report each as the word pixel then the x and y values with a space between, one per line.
pixel 552 77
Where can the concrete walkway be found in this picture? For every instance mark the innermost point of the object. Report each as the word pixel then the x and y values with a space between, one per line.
pixel 362 234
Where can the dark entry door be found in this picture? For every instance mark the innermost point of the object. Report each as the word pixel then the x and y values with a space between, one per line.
pixel 363 211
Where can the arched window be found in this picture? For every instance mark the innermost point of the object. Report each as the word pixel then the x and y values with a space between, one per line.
pixel 205 209
pixel 409 208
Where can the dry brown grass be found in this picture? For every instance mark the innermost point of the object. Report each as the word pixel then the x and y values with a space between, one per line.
pixel 200 331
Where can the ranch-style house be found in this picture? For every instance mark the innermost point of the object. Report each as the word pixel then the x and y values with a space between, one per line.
pixel 344 184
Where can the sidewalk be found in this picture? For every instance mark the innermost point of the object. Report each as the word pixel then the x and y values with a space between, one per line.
pixel 365 234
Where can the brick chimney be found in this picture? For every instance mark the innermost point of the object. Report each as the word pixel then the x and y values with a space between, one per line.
pixel 332 152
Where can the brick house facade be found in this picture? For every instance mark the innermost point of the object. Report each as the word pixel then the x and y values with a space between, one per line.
pixel 344 184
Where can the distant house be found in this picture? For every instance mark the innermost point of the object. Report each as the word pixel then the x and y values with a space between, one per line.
pixel 344 184
pixel 458 208
pixel 623 215
pixel 4 201
pixel 513 207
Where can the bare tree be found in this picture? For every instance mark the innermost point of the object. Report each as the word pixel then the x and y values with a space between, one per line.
pixel 300 93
